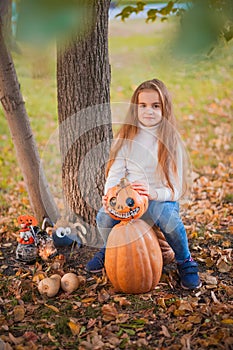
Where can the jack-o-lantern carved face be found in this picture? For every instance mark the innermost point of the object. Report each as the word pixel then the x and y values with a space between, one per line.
pixel 27 220
pixel 124 203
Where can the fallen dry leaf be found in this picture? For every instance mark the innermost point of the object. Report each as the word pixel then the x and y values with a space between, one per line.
pixel 109 312
pixel 75 327
pixel 19 313
pixel 52 307
pixel 165 332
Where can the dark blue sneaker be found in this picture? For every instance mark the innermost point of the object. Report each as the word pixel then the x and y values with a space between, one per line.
pixel 188 271
pixel 96 264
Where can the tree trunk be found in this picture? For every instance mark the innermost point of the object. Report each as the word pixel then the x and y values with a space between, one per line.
pixel 5 14
pixel 83 79
pixel 27 154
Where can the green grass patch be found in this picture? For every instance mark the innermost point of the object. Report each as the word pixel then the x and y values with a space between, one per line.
pixel 228 198
pixel 62 327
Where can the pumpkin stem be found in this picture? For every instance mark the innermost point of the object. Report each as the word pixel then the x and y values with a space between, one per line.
pixel 124 182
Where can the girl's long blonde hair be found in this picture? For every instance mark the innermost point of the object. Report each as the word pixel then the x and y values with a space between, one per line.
pixel 168 137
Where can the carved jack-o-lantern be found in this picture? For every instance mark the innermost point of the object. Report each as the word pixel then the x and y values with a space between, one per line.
pixel 27 220
pixel 124 203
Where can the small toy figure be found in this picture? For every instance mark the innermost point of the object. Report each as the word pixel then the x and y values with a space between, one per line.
pixel 47 250
pixel 33 241
pixel 27 249
pixel 26 237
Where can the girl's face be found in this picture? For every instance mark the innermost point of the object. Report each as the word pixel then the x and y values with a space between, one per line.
pixel 149 107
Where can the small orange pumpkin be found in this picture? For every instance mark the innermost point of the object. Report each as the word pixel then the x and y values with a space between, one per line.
pixel 27 220
pixel 133 258
pixel 124 203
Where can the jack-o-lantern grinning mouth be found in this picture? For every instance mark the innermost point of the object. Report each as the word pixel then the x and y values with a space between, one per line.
pixel 130 213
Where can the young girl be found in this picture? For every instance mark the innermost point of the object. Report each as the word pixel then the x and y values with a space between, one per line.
pixel 148 151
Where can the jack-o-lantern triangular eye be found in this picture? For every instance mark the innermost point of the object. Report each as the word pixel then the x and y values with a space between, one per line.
pixel 130 202
pixel 113 201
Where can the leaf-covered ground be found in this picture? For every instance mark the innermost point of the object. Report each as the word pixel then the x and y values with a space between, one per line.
pixel 96 317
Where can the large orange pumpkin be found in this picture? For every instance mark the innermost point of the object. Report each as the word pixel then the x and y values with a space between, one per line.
pixel 133 258
pixel 124 203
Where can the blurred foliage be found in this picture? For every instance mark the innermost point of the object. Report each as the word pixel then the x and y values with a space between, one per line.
pixel 203 23
pixel 152 14
pixel 41 21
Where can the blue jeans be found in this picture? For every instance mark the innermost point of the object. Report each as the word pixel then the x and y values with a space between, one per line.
pixel 163 214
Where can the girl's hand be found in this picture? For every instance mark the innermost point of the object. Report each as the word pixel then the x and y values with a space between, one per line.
pixel 141 188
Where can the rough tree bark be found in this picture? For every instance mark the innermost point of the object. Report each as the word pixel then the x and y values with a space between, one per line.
pixel 27 154
pixel 83 81
pixel 5 13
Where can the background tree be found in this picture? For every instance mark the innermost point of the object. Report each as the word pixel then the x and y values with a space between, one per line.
pixel 27 154
pixel 83 85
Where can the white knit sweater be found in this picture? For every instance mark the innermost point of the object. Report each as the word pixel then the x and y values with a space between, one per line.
pixel 141 159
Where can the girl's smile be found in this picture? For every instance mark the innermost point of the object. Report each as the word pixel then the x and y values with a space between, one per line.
pixel 149 107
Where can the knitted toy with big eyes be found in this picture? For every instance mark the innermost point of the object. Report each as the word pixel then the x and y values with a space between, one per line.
pixel 65 233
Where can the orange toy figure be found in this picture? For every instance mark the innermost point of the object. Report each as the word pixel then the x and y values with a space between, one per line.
pixel 27 234
pixel 26 249
pixel 26 221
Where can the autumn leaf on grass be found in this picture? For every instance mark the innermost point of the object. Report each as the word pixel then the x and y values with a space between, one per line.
pixel 38 276
pixel 122 318
pixel 93 341
pixel 215 299
pixel 161 302
pixel 109 312
pixel 228 289
pixel 30 336
pixel 141 343
pixel 183 307
pixel 52 307
pixel 19 313
pixel 224 262
pixel 103 296
pixel 210 281
pixel 91 323
pixel 101 280
pixel 51 337
pixel 165 332
pixel 16 340
pixel 185 341
pixel 75 327
pixel 88 301
pixel 5 346
pixel 122 301
pixel 195 318
pixel 227 321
